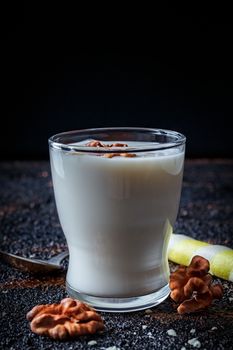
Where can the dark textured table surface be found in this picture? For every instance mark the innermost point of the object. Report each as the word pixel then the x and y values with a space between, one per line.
pixel 30 227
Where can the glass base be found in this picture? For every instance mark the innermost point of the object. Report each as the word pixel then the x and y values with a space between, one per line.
pixel 121 304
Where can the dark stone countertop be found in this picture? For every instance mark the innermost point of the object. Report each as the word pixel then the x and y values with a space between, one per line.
pixel 29 227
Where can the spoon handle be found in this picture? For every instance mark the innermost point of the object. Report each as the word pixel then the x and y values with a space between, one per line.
pixel 58 258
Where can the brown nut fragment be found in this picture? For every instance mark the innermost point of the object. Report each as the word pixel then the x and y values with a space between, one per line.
pixel 217 291
pixel 178 280
pixel 96 144
pixel 126 155
pixel 207 279
pixel 198 266
pixel 191 286
pixel 69 319
pixel 196 303
pixel 119 145
pixel 111 155
pixel 195 284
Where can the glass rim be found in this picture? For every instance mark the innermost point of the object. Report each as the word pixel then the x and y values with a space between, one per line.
pixel 179 139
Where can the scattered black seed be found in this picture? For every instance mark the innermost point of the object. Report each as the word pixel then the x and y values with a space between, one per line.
pixel 29 226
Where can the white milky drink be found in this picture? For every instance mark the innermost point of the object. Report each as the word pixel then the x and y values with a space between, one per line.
pixel 117 215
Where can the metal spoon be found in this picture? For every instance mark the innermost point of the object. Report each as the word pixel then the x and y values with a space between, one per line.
pixel 35 265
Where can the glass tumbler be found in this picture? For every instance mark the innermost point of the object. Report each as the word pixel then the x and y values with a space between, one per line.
pixel 117 205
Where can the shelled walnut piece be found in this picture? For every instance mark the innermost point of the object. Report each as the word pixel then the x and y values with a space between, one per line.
pixel 126 155
pixel 192 286
pixel 69 319
pixel 111 155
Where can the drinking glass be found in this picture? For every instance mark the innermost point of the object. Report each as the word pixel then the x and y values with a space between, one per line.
pixel 117 207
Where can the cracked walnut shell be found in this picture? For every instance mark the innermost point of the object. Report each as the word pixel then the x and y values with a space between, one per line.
pixel 69 319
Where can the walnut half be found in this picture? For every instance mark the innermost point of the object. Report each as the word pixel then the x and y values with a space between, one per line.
pixel 192 286
pixel 69 319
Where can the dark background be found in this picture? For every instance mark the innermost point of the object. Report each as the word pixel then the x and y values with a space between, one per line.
pixel 66 69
